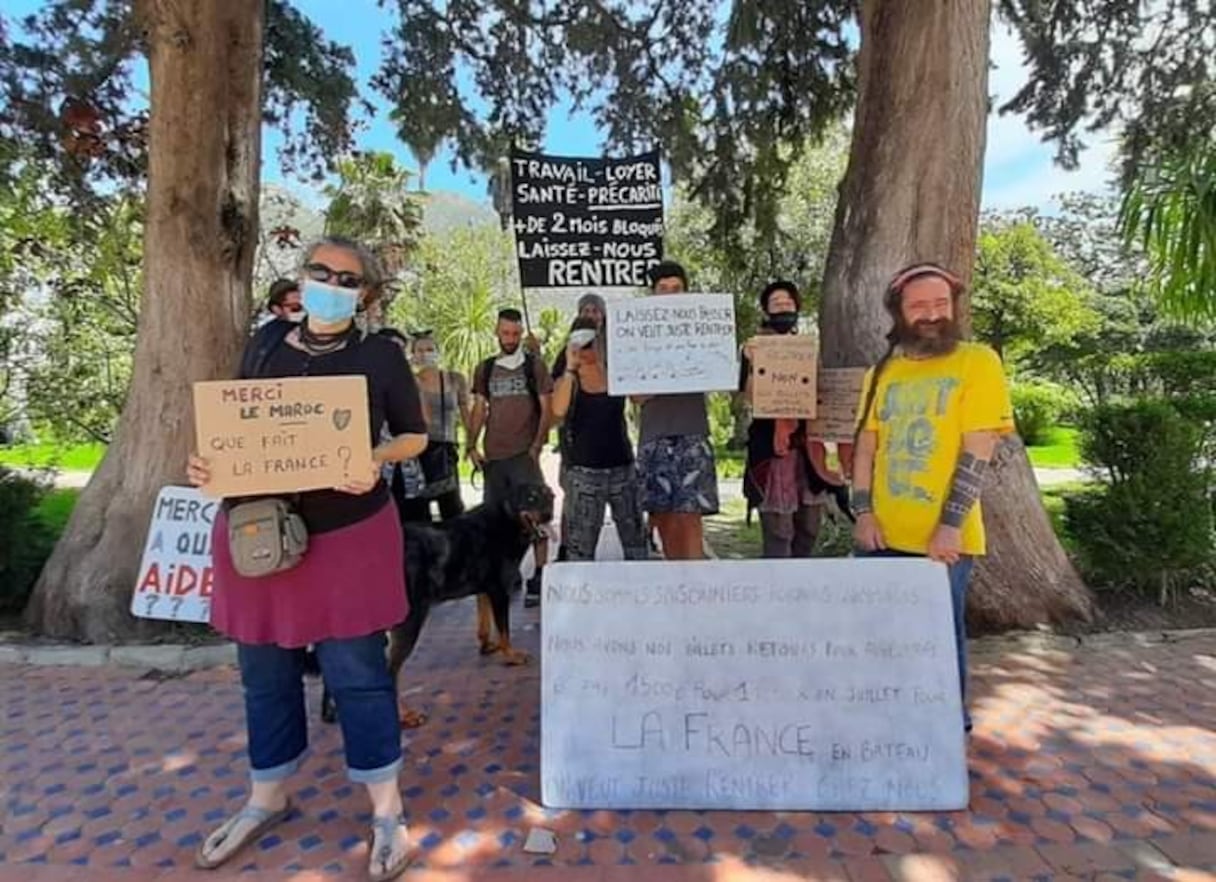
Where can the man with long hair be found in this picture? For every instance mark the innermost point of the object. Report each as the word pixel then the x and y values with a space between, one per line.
pixel 933 410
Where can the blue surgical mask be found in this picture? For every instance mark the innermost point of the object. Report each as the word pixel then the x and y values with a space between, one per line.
pixel 328 304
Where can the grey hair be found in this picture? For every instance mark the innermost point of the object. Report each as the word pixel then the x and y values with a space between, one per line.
pixel 369 264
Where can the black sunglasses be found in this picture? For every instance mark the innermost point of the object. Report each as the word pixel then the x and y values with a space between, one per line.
pixel 319 272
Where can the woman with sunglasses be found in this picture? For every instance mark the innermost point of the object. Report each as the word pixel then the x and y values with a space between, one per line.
pixel 349 587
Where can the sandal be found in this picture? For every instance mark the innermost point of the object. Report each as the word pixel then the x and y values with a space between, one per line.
pixel 262 820
pixel 383 853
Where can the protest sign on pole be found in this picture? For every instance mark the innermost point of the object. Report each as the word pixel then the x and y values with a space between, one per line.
pixel 672 343
pixel 175 574
pixel 783 376
pixel 282 436
pixel 836 410
pixel 586 223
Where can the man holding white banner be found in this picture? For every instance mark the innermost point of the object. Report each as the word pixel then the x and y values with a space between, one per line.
pixel 675 457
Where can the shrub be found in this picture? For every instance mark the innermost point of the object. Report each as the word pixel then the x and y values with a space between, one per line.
pixel 1037 406
pixel 1149 526
pixel 25 541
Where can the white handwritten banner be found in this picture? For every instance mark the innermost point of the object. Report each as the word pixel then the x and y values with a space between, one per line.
pixel 774 685
pixel 672 343
pixel 175 574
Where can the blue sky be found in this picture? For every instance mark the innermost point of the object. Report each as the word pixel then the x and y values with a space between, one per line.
pixel 1018 168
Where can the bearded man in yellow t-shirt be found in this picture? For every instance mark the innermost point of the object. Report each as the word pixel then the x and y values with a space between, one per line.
pixel 933 410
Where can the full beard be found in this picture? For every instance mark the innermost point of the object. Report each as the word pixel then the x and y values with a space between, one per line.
pixel 927 339
pixel 508 350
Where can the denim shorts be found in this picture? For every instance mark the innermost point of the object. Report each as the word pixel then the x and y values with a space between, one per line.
pixel 679 475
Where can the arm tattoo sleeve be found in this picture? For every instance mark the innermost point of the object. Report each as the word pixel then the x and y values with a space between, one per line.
pixel 968 482
pixel 863 501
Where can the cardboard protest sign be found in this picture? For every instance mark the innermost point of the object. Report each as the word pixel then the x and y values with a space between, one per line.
pixel 282 436
pixel 839 393
pixel 671 343
pixel 175 574
pixel 783 376
pixel 586 222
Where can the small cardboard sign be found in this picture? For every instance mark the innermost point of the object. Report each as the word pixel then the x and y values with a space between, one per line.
pixel 282 436
pixel 175 574
pixel 783 376
pixel 839 395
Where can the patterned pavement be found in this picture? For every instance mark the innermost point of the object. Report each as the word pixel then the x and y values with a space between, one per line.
pixel 1095 763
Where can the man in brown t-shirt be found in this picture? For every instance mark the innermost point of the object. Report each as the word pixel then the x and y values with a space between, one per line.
pixel 511 401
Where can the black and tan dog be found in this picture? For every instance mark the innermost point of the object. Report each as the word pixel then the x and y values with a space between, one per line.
pixel 475 554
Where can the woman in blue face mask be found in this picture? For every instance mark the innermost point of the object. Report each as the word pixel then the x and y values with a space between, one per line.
pixel 349 586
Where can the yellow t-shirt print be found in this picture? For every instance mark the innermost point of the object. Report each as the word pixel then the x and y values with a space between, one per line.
pixel 921 411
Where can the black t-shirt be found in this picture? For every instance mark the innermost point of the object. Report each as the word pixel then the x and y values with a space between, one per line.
pixel 392 399
pixel 595 435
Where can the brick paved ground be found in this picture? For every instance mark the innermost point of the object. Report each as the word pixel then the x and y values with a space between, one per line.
pixel 1099 763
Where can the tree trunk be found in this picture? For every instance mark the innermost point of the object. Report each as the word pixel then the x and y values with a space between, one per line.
pixel 200 236
pixel 912 192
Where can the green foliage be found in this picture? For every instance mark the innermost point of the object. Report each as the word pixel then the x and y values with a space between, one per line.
pixel 1170 209
pixel 794 247
pixel 372 204
pixel 1145 66
pixel 1037 407
pixel 67 83
pixel 72 287
pixel 1150 524
pixel 1024 296
pixel 463 278
pixel 731 97
pixel 25 540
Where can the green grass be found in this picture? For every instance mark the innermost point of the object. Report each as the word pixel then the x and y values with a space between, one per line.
pixel 1053 503
pixel 70 458
pixel 1060 450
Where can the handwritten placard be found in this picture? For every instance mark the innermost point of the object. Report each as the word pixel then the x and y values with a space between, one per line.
pixel 836 411
pixel 783 376
pixel 671 343
pixel 282 436
pixel 175 574
pixel 773 685
pixel 586 222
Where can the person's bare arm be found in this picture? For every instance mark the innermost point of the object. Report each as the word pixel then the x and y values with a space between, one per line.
pixel 866 532
pixel 965 490
pixel 477 421
pixel 543 425
pixel 464 403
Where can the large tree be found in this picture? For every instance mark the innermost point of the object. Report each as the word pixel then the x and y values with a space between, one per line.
pixel 67 83
pixel 734 105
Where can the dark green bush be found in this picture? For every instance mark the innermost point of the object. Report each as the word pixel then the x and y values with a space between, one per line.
pixel 1038 406
pixel 1149 525
pixel 25 541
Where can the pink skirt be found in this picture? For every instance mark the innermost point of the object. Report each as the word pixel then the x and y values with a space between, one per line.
pixel 350 583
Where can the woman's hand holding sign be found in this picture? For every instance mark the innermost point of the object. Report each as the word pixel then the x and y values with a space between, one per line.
pixel 358 485
pixel 198 471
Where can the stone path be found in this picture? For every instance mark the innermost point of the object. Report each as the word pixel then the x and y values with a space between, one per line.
pixel 1091 762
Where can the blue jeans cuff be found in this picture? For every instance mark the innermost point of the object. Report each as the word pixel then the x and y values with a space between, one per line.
pixel 376 776
pixel 278 773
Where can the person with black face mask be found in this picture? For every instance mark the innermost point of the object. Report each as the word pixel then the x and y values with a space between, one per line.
pixel 780 480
